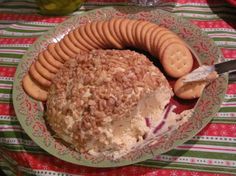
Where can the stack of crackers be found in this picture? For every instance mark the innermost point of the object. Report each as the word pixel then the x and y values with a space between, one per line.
pixel 116 33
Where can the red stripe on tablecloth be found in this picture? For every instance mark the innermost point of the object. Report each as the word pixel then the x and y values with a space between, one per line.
pixel 229 53
pixel 7 109
pixel 200 1
pixel 44 162
pixel 221 130
pixel 231 89
pixel 47 162
pixel 31 17
pixel 17 40
pixel 7 71
pixel 214 24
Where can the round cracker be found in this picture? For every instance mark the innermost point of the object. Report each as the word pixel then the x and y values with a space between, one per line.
pixel 165 37
pixel 61 53
pixel 43 71
pixel 51 49
pixel 177 60
pixel 152 36
pixel 117 30
pixel 90 41
pixel 138 35
pixel 130 36
pixel 66 48
pixel 45 63
pixel 144 33
pixel 97 35
pixel 91 35
pixel 81 39
pixel 125 27
pixel 33 89
pixel 37 77
pixel 115 35
pixel 189 90
pixel 114 43
pixel 156 40
pixel 71 45
pixel 166 43
pixel 75 41
pixel 102 33
pixel 51 60
pixel 134 43
pixel 147 38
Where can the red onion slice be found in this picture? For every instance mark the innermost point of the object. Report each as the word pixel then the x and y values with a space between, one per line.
pixel 167 111
pixel 161 124
pixel 148 123
pixel 158 127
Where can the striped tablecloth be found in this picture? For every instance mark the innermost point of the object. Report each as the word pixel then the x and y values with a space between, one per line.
pixel 211 152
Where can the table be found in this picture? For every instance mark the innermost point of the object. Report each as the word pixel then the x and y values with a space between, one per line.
pixel 210 152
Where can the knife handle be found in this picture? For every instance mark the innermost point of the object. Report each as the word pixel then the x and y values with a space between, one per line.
pixel 232 77
pixel 227 66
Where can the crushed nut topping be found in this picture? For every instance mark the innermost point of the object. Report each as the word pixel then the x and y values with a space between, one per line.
pixel 96 89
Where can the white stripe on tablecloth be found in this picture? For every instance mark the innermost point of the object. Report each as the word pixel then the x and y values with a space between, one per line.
pixel 17 141
pixel 6 78
pixel 215 139
pixel 11 60
pixel 8 118
pixel 196 160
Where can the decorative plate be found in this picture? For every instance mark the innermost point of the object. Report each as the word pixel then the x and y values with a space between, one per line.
pixel 30 112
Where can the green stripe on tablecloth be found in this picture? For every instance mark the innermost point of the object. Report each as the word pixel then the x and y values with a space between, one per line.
pixel 24 31
pixel 218 31
pixel 20 47
pixel 227 109
pixel 201 154
pixel 225 46
pixel 6 82
pixel 8 64
pixel 9 122
pixel 15 134
pixel 6 91
pixel 186 166
pixel 11 55
pixel 23 148
pixel 230 100
pixel 5 100
pixel 224 120
pixel 224 39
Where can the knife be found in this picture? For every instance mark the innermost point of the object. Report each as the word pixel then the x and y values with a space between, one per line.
pixel 209 72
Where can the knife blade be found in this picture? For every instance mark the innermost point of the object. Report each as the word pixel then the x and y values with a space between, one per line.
pixel 209 72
